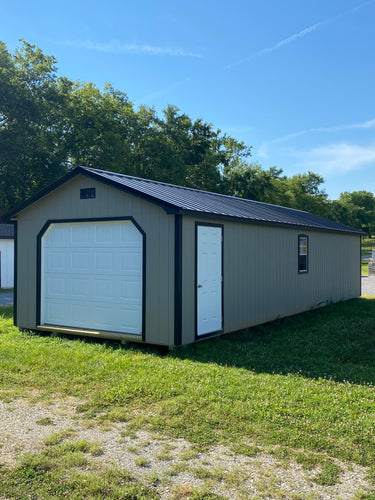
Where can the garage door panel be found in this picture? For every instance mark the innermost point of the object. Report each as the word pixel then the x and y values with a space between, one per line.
pixel 90 281
pixel 80 234
pixel 56 286
pixel 104 289
pixel 130 260
pixel 130 318
pixel 80 312
pixel 104 234
pixel 59 236
pixel 80 287
pixel 56 311
pixel 104 316
pixel 131 291
pixel 104 261
pixel 55 261
pixel 80 260
pixel 129 235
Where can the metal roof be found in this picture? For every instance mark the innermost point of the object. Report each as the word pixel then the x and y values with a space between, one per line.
pixel 6 231
pixel 190 201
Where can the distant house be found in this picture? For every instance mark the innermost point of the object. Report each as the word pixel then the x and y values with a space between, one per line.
pixel 110 255
pixel 6 255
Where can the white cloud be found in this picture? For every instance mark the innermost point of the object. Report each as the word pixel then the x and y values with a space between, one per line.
pixel 297 35
pixel 290 39
pixel 278 45
pixel 338 158
pixel 116 47
pixel 335 128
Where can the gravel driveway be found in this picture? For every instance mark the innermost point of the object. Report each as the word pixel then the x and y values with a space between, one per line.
pixel 175 465
pixel 368 285
pixel 6 299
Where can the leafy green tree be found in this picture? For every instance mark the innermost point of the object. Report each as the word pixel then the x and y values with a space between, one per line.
pixel 356 209
pixel 32 122
pixel 102 125
pixel 304 192
pixel 50 124
pixel 249 180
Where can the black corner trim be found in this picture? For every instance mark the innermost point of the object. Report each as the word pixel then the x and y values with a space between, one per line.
pixel 178 280
pixel 99 219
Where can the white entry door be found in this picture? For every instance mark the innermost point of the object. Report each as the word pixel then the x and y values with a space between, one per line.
pixel 209 279
pixel 92 276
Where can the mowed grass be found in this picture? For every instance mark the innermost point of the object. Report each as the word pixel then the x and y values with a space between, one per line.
pixel 367 244
pixel 300 384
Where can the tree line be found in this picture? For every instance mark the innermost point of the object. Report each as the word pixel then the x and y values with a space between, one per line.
pixel 50 124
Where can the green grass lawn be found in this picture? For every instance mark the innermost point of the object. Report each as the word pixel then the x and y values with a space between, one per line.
pixel 301 384
pixel 367 244
pixel 364 268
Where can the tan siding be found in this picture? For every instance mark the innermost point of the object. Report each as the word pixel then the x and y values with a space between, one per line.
pixel 261 281
pixel 65 203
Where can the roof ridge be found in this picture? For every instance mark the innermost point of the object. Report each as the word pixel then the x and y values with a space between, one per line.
pixel 153 181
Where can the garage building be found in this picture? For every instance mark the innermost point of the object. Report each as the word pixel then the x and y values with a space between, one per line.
pixel 6 255
pixel 105 254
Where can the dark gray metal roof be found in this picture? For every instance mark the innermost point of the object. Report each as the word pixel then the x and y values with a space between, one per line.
pixel 190 201
pixel 7 231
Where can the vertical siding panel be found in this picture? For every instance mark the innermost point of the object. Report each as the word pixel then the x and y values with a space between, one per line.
pixel 264 283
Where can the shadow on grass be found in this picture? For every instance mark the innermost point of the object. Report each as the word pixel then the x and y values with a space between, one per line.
pixel 336 342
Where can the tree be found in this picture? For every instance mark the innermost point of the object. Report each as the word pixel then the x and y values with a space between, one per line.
pixel 32 123
pixel 304 192
pixel 356 209
pixel 50 124
pixel 249 180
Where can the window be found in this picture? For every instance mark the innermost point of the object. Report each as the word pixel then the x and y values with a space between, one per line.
pixel 303 253
pixel 87 193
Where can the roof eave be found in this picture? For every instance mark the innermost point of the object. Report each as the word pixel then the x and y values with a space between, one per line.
pixel 210 215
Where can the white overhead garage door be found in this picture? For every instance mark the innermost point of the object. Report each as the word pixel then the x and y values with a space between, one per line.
pixel 91 276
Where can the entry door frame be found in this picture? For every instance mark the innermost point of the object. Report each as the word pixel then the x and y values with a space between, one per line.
pixel 97 219
pixel 216 332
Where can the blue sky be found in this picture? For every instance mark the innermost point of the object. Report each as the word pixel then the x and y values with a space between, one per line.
pixel 295 79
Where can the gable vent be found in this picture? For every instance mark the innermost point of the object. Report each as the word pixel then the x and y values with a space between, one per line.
pixel 87 193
